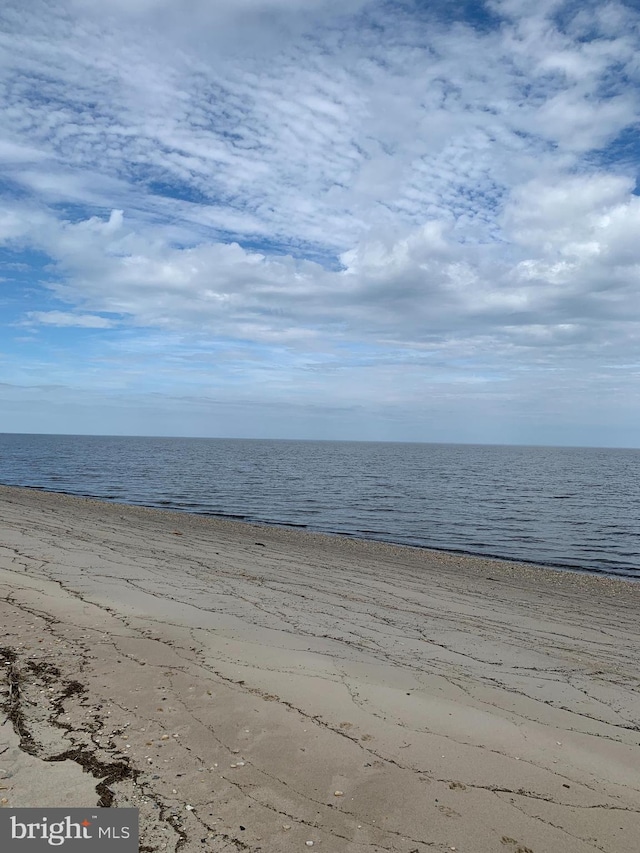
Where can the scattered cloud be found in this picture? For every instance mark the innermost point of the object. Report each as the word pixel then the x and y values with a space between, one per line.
pixel 61 318
pixel 273 190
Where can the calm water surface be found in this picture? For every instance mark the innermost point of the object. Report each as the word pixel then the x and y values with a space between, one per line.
pixel 569 507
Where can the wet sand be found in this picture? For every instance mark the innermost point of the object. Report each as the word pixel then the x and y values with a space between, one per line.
pixel 254 688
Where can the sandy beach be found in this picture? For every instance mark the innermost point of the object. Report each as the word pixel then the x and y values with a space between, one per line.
pixel 259 689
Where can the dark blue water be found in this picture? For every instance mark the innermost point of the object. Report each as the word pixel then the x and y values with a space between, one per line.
pixel 569 507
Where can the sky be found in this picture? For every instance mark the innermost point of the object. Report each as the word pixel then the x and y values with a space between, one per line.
pixel 391 220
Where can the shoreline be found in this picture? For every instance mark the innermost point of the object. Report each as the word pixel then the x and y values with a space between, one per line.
pixel 256 687
pixel 559 567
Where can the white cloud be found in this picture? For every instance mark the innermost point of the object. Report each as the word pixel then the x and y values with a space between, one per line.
pixel 13 152
pixel 316 177
pixel 61 318
pixel 577 259
pixel 324 139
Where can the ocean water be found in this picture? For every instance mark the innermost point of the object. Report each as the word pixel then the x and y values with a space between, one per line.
pixel 576 508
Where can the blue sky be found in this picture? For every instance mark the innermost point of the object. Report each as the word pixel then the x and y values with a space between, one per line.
pixel 413 221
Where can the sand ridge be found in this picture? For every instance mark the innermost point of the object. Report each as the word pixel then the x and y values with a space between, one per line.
pixel 258 688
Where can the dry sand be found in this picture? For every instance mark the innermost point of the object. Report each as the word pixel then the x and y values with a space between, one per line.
pixel 253 688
